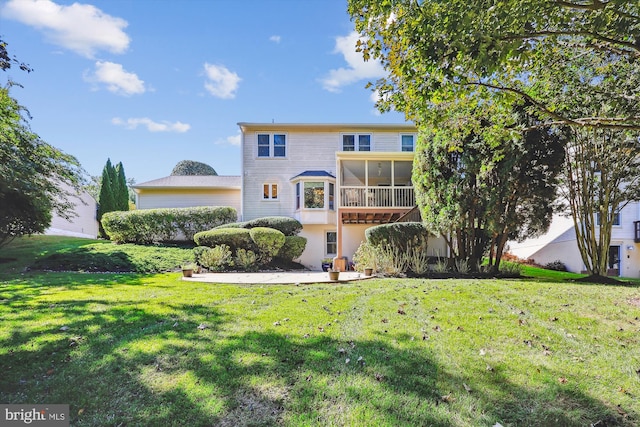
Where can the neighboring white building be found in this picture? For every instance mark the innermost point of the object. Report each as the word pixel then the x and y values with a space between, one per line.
pixel 560 244
pixel 83 223
pixel 336 179
pixel 189 191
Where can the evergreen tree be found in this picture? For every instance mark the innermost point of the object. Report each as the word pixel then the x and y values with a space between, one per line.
pixel 106 201
pixel 121 191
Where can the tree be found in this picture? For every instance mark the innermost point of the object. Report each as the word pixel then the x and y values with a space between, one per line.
pixel 106 199
pixel 479 185
pixel 437 51
pixel 191 167
pixel 31 176
pixel 113 193
pixel 601 176
pixel 121 191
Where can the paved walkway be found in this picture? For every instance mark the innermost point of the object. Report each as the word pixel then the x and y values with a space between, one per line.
pixel 276 277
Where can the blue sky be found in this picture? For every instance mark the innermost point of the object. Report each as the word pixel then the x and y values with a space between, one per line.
pixel 151 82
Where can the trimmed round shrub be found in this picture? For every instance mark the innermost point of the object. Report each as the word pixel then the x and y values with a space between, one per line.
pixel 288 226
pixel 292 248
pixel 235 238
pixel 267 240
pixel 241 224
pixel 402 235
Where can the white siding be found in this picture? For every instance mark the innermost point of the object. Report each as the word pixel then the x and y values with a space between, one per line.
pixel 181 198
pixel 84 224
pixel 306 150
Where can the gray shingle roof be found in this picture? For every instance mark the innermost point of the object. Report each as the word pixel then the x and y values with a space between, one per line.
pixel 314 173
pixel 193 181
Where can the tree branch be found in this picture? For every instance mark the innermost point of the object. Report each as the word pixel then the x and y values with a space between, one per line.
pixel 621 123
pixel 602 38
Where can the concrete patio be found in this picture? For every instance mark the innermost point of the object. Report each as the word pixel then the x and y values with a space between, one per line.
pixel 276 277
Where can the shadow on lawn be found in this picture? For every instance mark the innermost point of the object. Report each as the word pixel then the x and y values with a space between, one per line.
pixel 179 364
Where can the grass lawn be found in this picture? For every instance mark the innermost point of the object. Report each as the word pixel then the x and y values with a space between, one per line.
pixel 132 349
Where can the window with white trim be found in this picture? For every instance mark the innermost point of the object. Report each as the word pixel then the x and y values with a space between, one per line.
pixel 269 191
pixel 331 243
pixel 272 145
pixel 616 218
pixel 356 142
pixel 407 143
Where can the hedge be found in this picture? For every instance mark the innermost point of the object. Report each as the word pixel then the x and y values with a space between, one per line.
pixel 292 248
pixel 288 226
pixel 402 235
pixel 145 226
pixel 267 240
pixel 235 238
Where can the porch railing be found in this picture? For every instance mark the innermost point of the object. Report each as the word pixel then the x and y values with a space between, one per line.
pixel 377 197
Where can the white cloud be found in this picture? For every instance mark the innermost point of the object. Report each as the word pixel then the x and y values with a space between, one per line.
pixel 221 82
pixel 82 28
pixel 230 140
pixel 151 126
pixel 275 39
pixel 357 69
pixel 117 79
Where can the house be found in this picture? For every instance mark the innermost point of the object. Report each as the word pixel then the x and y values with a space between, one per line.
pixel 182 191
pixel 560 244
pixel 336 179
pixel 83 222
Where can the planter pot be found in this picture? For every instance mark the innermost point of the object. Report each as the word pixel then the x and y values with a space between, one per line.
pixel 368 271
pixel 334 275
pixel 187 272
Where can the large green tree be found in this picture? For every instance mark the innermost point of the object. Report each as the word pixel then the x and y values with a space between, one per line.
pixel 479 185
pixel 33 175
pixel 435 51
pixel 191 167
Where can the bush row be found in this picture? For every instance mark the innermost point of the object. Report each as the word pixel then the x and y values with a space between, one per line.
pixel 266 243
pixel 288 226
pixel 146 226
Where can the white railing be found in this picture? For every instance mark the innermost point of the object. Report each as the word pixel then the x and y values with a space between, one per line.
pixel 377 197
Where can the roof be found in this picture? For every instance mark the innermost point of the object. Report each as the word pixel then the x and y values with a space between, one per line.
pixel 403 127
pixel 314 174
pixel 193 181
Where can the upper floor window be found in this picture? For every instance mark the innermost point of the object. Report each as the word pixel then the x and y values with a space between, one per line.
pixel 616 218
pixel 269 191
pixel 407 143
pixel 272 145
pixel 355 142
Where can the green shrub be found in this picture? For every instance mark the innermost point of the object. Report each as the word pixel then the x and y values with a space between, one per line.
pixel 217 258
pixel 292 248
pixel 402 235
pixel 235 238
pixel 365 257
pixel 246 260
pixel 241 224
pixel 556 265
pixel 146 226
pixel 288 226
pixel 268 241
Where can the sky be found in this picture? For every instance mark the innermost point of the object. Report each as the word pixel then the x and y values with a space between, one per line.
pixel 152 82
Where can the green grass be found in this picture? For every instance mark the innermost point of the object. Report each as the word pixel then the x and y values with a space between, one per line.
pixel 49 253
pixel 147 350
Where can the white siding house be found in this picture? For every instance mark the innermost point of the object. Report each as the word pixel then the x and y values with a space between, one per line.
pixel 560 244
pixel 336 179
pixel 189 191
pixel 83 223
